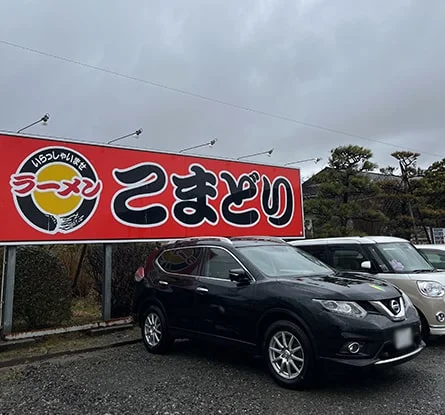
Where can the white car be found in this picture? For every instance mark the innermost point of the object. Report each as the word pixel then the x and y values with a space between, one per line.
pixel 434 253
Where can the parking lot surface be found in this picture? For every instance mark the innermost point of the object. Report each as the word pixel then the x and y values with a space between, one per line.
pixel 198 379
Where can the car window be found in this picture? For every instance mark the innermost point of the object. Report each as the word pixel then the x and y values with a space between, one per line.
pixel 434 253
pixel 312 257
pixel 347 258
pixel 218 263
pixel 432 256
pixel 403 257
pixel 436 257
pixel 318 251
pixel 284 261
pixel 185 261
pixel 377 260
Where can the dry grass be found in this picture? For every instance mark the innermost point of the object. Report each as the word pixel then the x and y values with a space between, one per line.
pixel 86 309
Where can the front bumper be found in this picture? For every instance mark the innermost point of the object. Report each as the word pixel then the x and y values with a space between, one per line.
pixel 437 330
pixel 400 359
pixel 376 335
pixel 391 361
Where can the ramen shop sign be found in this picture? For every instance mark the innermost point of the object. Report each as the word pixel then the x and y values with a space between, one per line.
pixel 53 191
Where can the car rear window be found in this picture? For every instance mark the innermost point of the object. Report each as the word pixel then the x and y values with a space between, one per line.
pixel 184 261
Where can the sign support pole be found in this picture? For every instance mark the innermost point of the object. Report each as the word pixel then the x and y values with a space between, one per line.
pixel 106 288
pixel 2 288
pixel 8 289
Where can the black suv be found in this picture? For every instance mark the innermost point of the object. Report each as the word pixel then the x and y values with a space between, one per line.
pixel 277 300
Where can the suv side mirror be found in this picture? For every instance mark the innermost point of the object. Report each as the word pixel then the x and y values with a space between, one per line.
pixel 366 265
pixel 239 275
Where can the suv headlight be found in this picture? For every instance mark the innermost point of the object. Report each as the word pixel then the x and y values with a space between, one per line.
pixel 346 308
pixel 406 300
pixel 431 288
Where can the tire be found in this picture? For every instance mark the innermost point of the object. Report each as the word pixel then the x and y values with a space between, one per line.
pixel 298 368
pixel 154 331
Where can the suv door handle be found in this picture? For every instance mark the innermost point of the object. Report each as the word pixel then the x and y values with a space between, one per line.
pixel 202 290
pixel 163 282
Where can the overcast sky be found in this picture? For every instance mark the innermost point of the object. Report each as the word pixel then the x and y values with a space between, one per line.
pixel 370 68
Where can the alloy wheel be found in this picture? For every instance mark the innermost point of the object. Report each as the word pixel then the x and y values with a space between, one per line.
pixel 152 329
pixel 286 355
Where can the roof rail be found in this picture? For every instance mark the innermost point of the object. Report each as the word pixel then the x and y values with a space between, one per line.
pixel 259 238
pixel 203 238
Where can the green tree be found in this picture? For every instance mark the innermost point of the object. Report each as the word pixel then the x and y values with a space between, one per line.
pixel 344 201
pixel 431 190
pixel 392 201
pixel 399 197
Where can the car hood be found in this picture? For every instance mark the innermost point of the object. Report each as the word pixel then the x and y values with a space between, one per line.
pixel 342 286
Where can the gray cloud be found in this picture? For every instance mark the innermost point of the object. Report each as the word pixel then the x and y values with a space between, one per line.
pixel 375 69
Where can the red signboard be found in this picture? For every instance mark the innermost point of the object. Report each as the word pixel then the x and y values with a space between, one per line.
pixel 60 192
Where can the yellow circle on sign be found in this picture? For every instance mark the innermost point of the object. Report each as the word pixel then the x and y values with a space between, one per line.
pixel 49 201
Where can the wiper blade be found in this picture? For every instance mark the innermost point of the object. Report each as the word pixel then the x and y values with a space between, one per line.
pixel 419 271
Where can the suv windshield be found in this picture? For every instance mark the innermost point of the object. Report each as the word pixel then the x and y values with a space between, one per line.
pixel 403 257
pixel 282 261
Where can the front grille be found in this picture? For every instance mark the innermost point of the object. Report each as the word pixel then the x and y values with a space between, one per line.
pixel 389 304
pixel 367 306
pixel 372 306
pixel 393 308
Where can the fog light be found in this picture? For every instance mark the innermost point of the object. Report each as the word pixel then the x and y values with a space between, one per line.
pixel 353 347
pixel 440 316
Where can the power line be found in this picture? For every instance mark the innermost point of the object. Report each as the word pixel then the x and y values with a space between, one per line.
pixel 210 99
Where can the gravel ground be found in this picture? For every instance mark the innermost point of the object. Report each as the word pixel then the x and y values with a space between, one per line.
pixel 195 379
